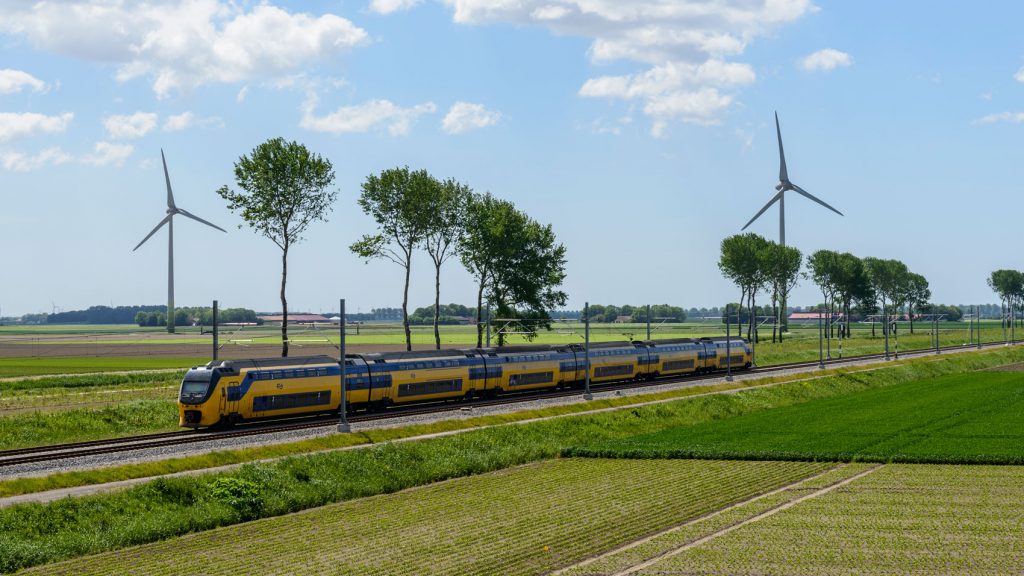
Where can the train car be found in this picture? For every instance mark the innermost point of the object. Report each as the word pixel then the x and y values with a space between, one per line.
pixel 236 390
pixel 610 361
pixel 676 356
pixel 717 353
pixel 421 376
pixel 520 368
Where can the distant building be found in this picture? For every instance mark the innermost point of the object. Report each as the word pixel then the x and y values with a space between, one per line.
pixel 623 319
pixel 812 317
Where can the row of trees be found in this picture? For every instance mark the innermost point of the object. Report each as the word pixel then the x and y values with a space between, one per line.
pixel 610 313
pixel 199 315
pixel 515 261
pixel 756 264
pixel 1009 286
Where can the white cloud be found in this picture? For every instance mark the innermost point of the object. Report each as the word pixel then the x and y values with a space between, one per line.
pixel 179 121
pixel 12 81
pixel 1019 76
pixel 464 116
pixel 106 154
pixel 130 126
pixel 363 117
pixel 1010 117
pixel 389 6
pixel 15 124
pixel 180 45
pixel 242 94
pixel 20 162
pixel 686 46
pixel 826 60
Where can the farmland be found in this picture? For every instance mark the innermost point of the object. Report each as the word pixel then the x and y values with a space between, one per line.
pixel 901 519
pixel 964 418
pixel 35 350
pixel 168 507
pixel 522 521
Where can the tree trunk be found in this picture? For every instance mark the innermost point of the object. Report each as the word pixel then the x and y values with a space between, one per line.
pixel 480 315
pixel 284 302
pixel 775 314
pixel 437 304
pixel 910 312
pixel 405 306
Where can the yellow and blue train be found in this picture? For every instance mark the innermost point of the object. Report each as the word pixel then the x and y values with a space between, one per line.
pixel 241 390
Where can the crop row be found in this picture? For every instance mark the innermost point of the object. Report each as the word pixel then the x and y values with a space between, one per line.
pixel 901 520
pixel 965 418
pixel 523 521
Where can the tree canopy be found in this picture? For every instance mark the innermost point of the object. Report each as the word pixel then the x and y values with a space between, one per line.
pixel 284 188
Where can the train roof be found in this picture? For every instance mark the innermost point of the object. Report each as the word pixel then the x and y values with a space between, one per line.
pixel 670 341
pixel 408 355
pixel 273 362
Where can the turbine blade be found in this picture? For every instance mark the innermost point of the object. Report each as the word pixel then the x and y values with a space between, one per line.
pixel 188 214
pixel 762 210
pixel 158 226
pixel 167 178
pixel 807 194
pixel 783 174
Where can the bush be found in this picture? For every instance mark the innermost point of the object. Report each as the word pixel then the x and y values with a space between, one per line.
pixel 244 496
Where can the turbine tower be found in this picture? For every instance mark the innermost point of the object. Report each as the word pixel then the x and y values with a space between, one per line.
pixel 780 195
pixel 172 210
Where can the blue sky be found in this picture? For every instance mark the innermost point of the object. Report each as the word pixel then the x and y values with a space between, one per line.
pixel 642 131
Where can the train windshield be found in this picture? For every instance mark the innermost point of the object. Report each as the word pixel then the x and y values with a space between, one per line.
pixel 196 382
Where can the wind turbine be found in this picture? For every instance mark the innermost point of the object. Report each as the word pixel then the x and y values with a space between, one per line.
pixel 780 195
pixel 172 210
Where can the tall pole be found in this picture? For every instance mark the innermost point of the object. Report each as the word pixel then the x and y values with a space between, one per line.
pixel 586 350
pixel 1013 336
pixel 728 341
pixel 487 324
pixel 648 321
pixel 215 334
pixel 821 333
pixel 885 328
pixel 170 276
pixel 343 425
pixel 978 314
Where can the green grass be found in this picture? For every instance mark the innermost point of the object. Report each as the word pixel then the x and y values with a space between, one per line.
pixel 37 428
pixel 913 520
pixel 27 366
pixel 964 418
pixel 37 533
pixel 523 521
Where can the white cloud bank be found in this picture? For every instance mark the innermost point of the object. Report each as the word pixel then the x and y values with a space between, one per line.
pixel 389 6
pixel 14 81
pixel 131 126
pixel 687 46
pixel 15 161
pixel 465 116
pixel 106 154
pixel 180 45
pixel 826 60
pixel 179 121
pixel 364 117
pixel 1009 117
pixel 17 124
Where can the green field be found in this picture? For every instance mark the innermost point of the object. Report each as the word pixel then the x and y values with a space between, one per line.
pixel 28 366
pixel 523 521
pixel 912 520
pixel 964 418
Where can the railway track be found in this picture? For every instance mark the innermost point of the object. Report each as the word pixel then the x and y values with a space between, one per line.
pixel 129 443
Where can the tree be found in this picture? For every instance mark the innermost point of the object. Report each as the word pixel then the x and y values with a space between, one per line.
pixel 741 261
pixel 782 267
pixel 852 285
pixel 446 219
pixel 917 294
pixel 398 201
pixel 825 271
pixel 284 190
pixel 886 277
pixel 482 240
pixel 1009 285
pixel 515 261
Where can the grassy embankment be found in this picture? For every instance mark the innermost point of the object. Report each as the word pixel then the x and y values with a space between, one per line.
pixel 34 534
pixel 973 418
